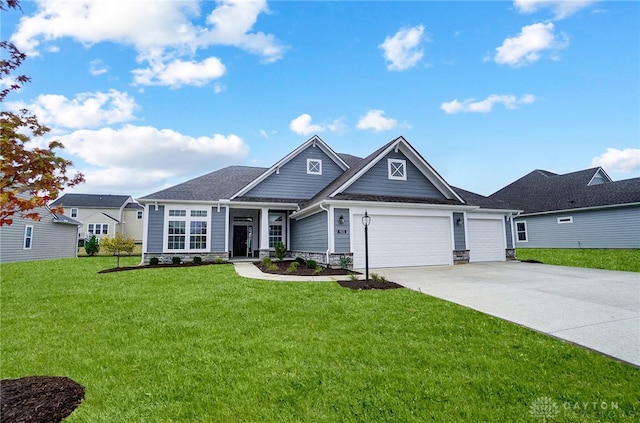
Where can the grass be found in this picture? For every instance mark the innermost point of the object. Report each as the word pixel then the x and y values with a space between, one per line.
pixel 203 344
pixel 625 260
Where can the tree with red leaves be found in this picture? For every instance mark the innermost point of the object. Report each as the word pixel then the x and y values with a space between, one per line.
pixel 31 176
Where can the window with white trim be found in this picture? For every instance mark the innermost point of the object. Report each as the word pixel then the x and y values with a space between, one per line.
pixel 566 219
pixel 314 166
pixel 179 222
pixel 28 237
pixel 139 215
pixel 397 169
pixel 98 229
pixel 74 212
pixel 521 231
pixel 276 222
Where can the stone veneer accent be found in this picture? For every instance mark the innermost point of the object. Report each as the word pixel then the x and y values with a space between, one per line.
pixel 321 258
pixel 511 254
pixel 460 256
pixel 165 258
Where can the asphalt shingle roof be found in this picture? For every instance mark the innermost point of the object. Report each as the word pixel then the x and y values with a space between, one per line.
pixel 542 191
pixel 91 200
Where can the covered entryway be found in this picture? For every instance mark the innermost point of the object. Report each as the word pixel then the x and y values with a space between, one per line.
pixel 396 241
pixel 486 240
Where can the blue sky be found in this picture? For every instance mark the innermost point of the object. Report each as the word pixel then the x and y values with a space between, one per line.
pixel 147 94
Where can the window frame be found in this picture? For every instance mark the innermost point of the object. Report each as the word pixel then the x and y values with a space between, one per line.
pixel 309 167
pixel 28 237
pixel 140 214
pixel 524 231
pixel 74 212
pixel 392 169
pixel 564 220
pixel 194 223
pixel 277 224
pixel 91 227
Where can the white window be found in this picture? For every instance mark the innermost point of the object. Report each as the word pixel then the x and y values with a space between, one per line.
pixel 74 212
pixel 276 222
pixel 521 231
pixel 139 215
pixel 98 229
pixel 567 219
pixel 397 169
pixel 187 230
pixel 28 237
pixel 314 167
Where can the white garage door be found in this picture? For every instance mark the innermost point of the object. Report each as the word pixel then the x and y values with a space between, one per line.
pixel 396 241
pixel 485 240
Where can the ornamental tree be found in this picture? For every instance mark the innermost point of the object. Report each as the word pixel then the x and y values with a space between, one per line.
pixel 118 244
pixel 32 176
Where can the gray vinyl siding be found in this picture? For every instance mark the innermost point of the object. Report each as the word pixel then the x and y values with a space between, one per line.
pixel 376 181
pixel 605 228
pixel 155 236
pixel 49 240
pixel 507 226
pixel 218 223
pixel 310 234
pixel 292 180
pixel 342 235
pixel 459 240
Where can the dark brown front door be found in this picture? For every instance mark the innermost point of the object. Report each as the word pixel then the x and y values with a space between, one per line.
pixel 240 241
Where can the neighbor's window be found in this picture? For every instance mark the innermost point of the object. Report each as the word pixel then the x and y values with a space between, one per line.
pixel 139 215
pixel 98 229
pixel 28 236
pixel 275 229
pixel 314 167
pixel 74 212
pixel 568 219
pixel 521 231
pixel 397 169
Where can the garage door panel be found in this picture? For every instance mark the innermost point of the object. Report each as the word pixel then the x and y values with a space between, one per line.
pixel 404 241
pixel 485 240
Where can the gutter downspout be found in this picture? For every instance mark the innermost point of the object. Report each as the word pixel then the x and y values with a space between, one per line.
pixel 329 231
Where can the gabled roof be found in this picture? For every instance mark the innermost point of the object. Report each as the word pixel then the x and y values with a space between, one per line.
pixel 541 191
pixel 473 199
pixel 221 184
pixel 315 141
pixel 92 201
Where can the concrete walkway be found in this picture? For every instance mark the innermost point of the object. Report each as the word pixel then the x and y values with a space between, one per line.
pixel 597 309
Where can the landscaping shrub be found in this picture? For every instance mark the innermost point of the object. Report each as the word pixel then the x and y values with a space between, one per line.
pixel 312 264
pixel 154 261
pixel 197 260
pixel 176 260
pixel 317 269
pixel 280 251
pixel 301 261
pixel 266 261
pixel 218 260
pixel 345 262
pixel 293 267
pixel 378 278
pixel 92 247
pixel 353 276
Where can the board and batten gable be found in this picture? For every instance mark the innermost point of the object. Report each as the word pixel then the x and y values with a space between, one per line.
pixel 155 229
pixel 342 237
pixel 310 233
pixel 218 224
pixel 292 180
pixel 601 228
pixel 376 181
pixel 459 238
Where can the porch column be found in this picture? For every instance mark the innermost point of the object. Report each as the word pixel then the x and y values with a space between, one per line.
pixel 264 232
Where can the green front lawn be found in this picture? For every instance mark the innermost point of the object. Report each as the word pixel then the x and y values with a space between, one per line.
pixel 203 344
pixel 626 260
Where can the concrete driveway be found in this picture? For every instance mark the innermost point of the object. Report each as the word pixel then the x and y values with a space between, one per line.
pixel 598 309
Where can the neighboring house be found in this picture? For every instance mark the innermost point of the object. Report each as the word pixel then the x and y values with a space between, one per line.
pixel 53 236
pixel 314 200
pixel 104 215
pixel 583 209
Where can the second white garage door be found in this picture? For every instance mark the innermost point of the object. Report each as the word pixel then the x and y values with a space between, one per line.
pixel 486 240
pixel 397 241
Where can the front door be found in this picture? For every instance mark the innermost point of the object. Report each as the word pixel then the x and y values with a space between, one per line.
pixel 240 237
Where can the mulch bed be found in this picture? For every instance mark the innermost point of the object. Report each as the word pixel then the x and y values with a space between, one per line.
pixel 46 399
pixel 157 266
pixel 369 284
pixel 301 271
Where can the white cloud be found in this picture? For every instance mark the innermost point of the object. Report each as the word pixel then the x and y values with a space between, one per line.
pixel 486 105
pixel 164 32
pixel 619 161
pixel 403 51
pixel 375 120
pixel 139 157
pixel 86 110
pixel 96 67
pixel 527 46
pixel 302 125
pixel 560 8
pixel 177 72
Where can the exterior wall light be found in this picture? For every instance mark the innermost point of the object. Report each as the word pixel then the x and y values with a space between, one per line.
pixel 341 220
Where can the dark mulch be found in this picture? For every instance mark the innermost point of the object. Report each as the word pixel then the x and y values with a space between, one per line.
pixel 369 284
pixel 157 266
pixel 45 399
pixel 531 261
pixel 302 270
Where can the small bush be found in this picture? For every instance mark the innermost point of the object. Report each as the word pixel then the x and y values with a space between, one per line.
pixel 345 262
pixel 378 278
pixel 317 270
pixel 266 261
pixel 154 261
pixel 280 251
pixel 197 260
pixel 312 264
pixel 92 247
pixel 301 261
pixel 218 260
pixel 272 267
pixel 293 267
pixel 176 260
pixel 353 276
